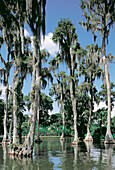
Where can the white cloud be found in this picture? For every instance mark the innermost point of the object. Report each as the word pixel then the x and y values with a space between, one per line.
pixel 32 43
pixel 113 111
pixel 49 45
pixel 101 105
pixel 27 112
pixel 3 88
pixel 26 33
pixel 56 108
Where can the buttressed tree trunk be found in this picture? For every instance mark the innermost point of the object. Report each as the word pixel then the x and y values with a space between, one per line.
pixel 5 138
pixel 73 97
pixel 88 136
pixel 27 148
pixel 108 138
pixel 72 93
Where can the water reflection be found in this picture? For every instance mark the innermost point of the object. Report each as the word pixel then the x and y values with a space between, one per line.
pixel 88 146
pixel 109 150
pixel 4 146
pixel 55 154
pixel 76 156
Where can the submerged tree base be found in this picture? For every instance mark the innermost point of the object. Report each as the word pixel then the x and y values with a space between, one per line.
pixel 62 139
pixel 20 151
pixel 6 141
pixel 75 142
pixel 109 139
pixel 88 137
pixel 38 140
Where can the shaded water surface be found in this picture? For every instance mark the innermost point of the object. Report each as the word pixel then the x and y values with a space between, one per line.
pixel 52 154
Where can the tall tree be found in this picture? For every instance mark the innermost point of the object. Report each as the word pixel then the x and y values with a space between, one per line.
pixel 67 38
pixel 100 16
pixel 90 69
pixel 7 39
pixel 5 71
pixel 45 74
pixel 19 13
pixel 60 90
pixel 35 11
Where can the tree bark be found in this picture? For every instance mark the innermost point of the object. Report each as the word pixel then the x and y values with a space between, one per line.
pixel 108 137
pixel 38 85
pixel 15 131
pixel 88 136
pixel 27 148
pixel 22 38
pixel 38 116
pixel 72 93
pixel 15 102
pixel 15 85
pixel 10 132
pixel 63 117
pixel 5 138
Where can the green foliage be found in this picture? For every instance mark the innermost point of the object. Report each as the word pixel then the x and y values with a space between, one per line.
pixel 103 93
pixel 114 136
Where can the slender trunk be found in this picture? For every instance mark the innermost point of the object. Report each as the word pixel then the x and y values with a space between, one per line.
pixel 22 38
pixel 16 78
pixel 108 137
pixel 38 118
pixel 72 93
pixel 63 116
pixel 88 136
pixel 38 84
pixel 6 111
pixel 37 136
pixel 15 131
pixel 73 98
pixel 10 132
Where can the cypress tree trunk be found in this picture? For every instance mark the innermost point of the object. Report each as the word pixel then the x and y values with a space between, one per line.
pixel 88 136
pixel 63 116
pixel 38 117
pixel 15 102
pixel 108 137
pixel 5 140
pixel 72 93
pixel 10 132
pixel 38 84
pixel 27 148
pixel 16 80
pixel 22 37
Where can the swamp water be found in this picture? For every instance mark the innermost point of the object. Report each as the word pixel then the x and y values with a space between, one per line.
pixel 52 154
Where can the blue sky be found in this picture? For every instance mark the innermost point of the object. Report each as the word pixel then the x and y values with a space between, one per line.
pixel 56 9
pixel 71 8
